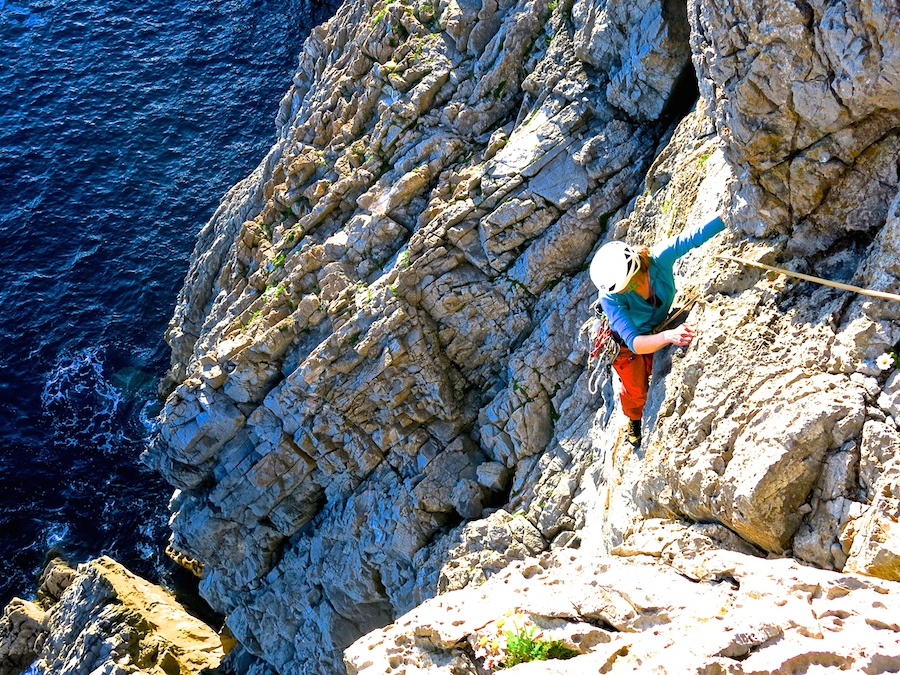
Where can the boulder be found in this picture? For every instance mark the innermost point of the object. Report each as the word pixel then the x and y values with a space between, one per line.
pixel 103 618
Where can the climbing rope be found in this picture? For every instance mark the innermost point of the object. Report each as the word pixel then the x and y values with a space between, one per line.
pixel 689 301
pixel 815 280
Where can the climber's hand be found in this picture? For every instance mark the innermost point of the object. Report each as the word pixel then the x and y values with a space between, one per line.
pixel 680 336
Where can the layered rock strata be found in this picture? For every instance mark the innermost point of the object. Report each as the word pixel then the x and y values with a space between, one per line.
pixel 377 392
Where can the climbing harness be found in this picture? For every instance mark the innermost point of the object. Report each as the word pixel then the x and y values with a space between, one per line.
pixel 604 348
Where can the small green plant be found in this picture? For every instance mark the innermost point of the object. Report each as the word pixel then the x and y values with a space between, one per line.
pixel 552 5
pixel 253 317
pixel 703 159
pixel 526 644
pixel 279 260
pixel 380 16
pixel 404 260
pixel 523 643
pixel 362 288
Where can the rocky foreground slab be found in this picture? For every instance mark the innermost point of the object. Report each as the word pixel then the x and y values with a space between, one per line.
pixel 671 602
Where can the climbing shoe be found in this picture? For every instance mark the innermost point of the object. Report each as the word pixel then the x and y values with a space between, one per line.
pixel 633 433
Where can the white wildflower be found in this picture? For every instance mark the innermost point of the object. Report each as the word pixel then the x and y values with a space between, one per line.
pixel 885 362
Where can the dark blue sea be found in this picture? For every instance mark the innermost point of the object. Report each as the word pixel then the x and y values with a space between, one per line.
pixel 122 123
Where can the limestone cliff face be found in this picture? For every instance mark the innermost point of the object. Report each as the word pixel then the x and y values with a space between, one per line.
pixel 376 345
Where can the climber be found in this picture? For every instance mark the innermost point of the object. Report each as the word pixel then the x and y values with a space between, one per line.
pixel 637 288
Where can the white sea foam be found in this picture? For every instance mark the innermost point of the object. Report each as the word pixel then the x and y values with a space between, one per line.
pixel 147 551
pixel 55 534
pixel 149 416
pixel 81 403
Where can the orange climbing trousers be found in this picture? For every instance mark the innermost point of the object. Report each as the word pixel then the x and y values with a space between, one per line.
pixel 634 371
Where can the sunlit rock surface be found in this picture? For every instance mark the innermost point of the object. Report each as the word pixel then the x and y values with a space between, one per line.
pixel 103 619
pixel 377 390
pixel 707 610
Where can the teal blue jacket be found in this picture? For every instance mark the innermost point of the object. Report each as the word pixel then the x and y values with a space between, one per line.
pixel 628 313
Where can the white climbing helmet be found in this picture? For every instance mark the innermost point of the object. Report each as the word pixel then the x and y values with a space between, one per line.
pixel 613 266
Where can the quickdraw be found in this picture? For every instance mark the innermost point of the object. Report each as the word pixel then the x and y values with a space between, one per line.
pixel 604 348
